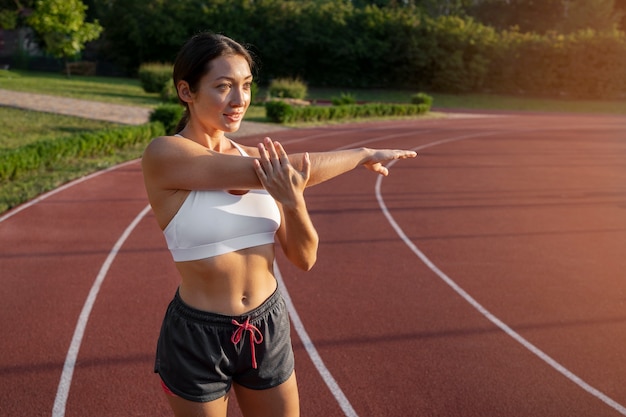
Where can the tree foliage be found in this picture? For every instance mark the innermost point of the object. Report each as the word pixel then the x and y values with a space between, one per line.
pixel 555 47
pixel 562 16
pixel 61 26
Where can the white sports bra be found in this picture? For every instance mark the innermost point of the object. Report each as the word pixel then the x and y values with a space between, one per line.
pixel 212 223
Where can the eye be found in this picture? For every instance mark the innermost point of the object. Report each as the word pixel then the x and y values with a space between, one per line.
pixel 247 86
pixel 223 87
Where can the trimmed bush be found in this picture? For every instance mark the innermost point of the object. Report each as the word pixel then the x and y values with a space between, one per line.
pixel 278 111
pixel 168 115
pixel 422 98
pixel 42 154
pixel 169 93
pixel 287 88
pixel 155 76
pixel 343 99
pixel 281 112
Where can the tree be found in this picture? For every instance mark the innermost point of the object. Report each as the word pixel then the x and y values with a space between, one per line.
pixel 61 26
pixel 599 15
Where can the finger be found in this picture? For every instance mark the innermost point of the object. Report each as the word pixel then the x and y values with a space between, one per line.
pixel 271 149
pixel 262 151
pixel 306 167
pixel 264 157
pixel 282 154
pixel 381 169
pixel 260 172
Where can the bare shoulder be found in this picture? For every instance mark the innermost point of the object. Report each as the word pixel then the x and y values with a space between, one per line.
pixel 252 151
pixel 165 150
pixel 169 144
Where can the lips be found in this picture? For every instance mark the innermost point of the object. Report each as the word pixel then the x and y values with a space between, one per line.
pixel 234 117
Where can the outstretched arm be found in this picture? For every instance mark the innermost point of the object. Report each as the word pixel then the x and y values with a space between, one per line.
pixel 285 178
pixel 172 163
pixel 327 165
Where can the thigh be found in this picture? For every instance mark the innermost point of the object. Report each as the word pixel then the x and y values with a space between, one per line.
pixel 280 401
pixel 185 408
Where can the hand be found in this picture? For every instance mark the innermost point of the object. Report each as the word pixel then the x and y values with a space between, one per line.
pixel 378 157
pixel 278 176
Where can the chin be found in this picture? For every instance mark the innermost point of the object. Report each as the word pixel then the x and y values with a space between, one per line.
pixel 232 127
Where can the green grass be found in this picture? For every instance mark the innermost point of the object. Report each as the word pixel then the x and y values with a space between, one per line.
pixel 20 127
pixel 30 185
pixel 106 89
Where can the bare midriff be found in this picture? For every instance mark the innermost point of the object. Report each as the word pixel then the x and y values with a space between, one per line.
pixel 230 284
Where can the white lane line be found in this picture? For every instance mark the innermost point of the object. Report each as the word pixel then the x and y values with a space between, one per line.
pixel 42 197
pixel 327 377
pixel 332 385
pixel 63 390
pixel 460 291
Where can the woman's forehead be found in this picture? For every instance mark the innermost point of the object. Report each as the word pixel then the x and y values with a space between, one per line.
pixel 230 66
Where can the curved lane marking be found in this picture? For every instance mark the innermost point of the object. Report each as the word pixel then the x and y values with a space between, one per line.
pixel 70 362
pixel 324 372
pixel 330 382
pixel 63 390
pixel 482 310
pixel 42 197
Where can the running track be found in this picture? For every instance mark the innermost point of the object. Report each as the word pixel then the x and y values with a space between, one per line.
pixel 485 278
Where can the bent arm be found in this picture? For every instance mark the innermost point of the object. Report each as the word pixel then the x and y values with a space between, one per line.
pixel 297 235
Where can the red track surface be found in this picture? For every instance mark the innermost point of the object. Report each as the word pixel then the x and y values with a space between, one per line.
pixel 519 309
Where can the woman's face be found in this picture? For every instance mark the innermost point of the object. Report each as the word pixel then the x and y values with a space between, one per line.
pixel 223 94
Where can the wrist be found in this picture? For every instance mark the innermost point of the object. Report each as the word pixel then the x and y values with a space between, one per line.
pixel 294 205
pixel 365 155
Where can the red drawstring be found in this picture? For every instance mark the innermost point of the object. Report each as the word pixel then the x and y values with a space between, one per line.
pixel 255 336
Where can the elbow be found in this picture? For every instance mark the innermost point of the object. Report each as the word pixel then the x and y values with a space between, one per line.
pixel 305 260
pixel 307 264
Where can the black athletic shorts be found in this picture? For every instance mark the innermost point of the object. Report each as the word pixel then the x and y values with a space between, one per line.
pixel 199 353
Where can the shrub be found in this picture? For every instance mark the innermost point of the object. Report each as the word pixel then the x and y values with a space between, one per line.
pixel 288 88
pixel 422 98
pixel 33 156
pixel 169 93
pixel 278 111
pixel 155 76
pixel 281 112
pixel 584 64
pixel 168 115
pixel 254 91
pixel 343 99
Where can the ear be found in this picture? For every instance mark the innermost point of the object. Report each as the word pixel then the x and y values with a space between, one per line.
pixel 184 92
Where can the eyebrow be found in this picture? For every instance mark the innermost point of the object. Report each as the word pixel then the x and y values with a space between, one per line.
pixel 249 77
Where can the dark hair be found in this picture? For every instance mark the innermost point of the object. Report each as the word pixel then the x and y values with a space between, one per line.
pixel 194 59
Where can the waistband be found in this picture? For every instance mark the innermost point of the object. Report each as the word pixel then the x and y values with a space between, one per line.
pixel 184 310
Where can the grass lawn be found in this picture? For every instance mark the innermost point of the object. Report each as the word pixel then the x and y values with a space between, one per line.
pixel 107 89
pixel 20 127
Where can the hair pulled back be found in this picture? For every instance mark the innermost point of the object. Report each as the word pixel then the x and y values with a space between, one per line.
pixel 194 61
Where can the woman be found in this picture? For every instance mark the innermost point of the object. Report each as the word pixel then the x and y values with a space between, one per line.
pixel 220 206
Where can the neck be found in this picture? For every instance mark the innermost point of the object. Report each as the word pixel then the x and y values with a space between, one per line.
pixel 213 140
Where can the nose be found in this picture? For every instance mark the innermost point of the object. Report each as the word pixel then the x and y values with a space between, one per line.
pixel 239 97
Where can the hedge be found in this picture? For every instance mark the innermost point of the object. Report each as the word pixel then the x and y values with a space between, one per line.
pixel 281 112
pixel 42 154
pixel 381 47
pixel 584 64
pixel 155 76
